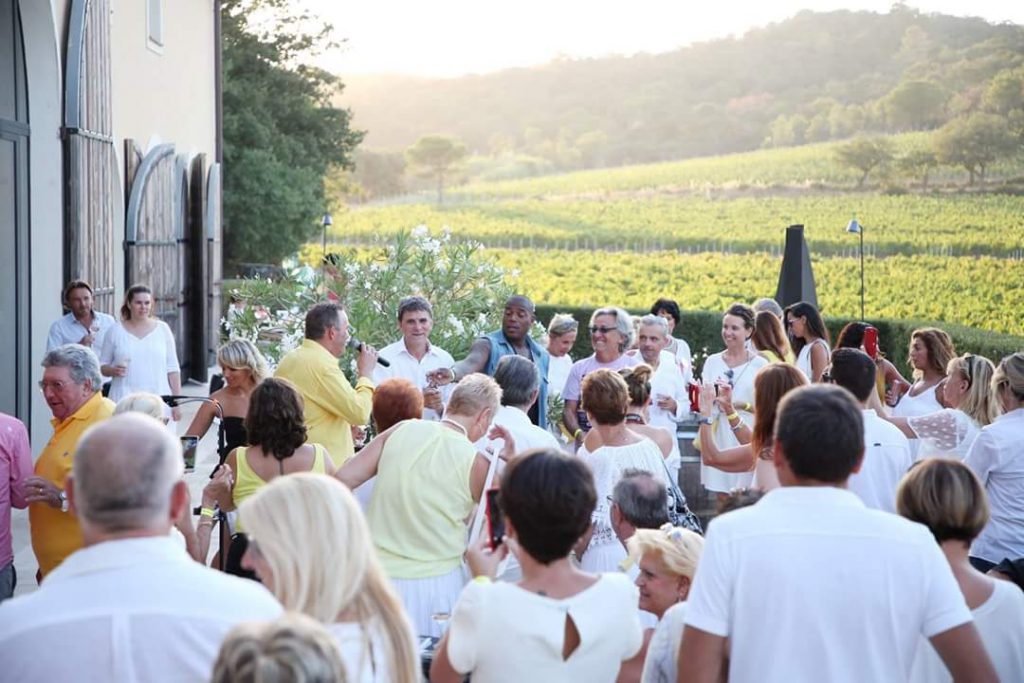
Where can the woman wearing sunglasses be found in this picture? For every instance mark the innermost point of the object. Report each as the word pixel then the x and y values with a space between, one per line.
pixel 611 333
pixel 732 419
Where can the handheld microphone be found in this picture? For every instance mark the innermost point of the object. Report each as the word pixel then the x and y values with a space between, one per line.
pixel 357 345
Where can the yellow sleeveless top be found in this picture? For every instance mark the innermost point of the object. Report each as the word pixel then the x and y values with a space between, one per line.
pixel 247 482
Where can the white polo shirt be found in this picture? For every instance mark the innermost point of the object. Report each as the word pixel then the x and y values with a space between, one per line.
pixel 887 458
pixel 810 585
pixel 129 610
pixel 404 364
pixel 997 457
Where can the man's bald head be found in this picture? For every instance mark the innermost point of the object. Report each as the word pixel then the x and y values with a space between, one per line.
pixel 522 302
pixel 124 473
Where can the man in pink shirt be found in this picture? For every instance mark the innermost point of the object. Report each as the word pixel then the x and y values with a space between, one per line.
pixel 15 465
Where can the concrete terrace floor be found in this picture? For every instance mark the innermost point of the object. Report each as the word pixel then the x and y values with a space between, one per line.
pixel 206 459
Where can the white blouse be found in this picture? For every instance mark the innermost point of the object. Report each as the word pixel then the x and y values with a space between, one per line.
pixel 803 361
pixel 501 633
pixel 947 433
pixel 362 655
pixel 742 379
pixel 605 551
pixel 149 360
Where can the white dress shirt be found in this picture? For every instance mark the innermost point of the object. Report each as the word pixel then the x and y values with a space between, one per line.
pixel 128 610
pixel 67 330
pixel 886 459
pixel 668 380
pixel 405 365
pixel 997 457
pixel 810 585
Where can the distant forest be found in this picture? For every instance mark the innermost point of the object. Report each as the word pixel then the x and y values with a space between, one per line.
pixel 811 78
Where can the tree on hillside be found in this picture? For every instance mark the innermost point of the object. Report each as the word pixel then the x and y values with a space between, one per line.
pixel 437 156
pixel 975 142
pixel 381 174
pixel 865 155
pixel 1006 92
pixel 915 105
pixel 918 164
pixel 281 134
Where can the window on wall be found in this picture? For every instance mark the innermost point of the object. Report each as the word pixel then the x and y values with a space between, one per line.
pixel 155 25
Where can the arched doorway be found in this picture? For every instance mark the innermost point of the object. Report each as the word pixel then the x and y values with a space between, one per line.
pixel 14 212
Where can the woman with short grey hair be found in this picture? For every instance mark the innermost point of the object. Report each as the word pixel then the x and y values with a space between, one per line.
pixel 611 333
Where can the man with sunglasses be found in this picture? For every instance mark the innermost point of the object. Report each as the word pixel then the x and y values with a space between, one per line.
pixel 70 386
pixel 513 339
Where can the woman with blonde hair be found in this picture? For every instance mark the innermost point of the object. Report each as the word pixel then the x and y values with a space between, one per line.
pixel 243 368
pixel 667 559
pixel 997 457
pixel 951 431
pixel 945 496
pixel 335 577
pixel 429 477
pixel 562 331
pixel 292 649
pixel 931 349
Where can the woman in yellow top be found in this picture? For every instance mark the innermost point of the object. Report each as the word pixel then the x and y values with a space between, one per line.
pixel 277 438
pixel 770 339
pixel 429 477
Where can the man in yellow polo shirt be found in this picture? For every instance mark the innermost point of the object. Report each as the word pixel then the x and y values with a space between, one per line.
pixel 71 386
pixel 333 406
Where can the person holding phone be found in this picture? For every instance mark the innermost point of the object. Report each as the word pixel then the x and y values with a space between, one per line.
pixel 809 338
pixel 559 623
pixel 860 335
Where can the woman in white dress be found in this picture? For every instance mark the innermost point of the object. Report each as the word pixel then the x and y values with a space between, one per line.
pixel 611 447
pixel 949 432
pixel 334 578
pixel 946 497
pixel 562 331
pixel 931 350
pixel 736 368
pixel 771 383
pixel 810 340
pixel 139 352
pixel 559 623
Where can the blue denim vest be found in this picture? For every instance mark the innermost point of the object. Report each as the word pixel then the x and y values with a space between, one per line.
pixel 500 347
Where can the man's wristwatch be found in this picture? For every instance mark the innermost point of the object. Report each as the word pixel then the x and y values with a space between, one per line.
pixel 63 501
pixel 706 421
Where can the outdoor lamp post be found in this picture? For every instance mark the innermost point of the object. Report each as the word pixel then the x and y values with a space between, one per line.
pixel 855 227
pixel 326 222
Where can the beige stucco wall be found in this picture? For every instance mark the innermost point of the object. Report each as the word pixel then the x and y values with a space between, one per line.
pixel 169 94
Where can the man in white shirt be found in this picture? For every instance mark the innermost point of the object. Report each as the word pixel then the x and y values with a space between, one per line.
pixel 668 309
pixel 82 325
pixel 413 356
pixel 669 398
pixel 519 380
pixel 887 455
pixel 131 605
pixel 810 585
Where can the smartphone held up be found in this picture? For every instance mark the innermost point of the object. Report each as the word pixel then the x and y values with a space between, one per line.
pixel 189 445
pixel 495 520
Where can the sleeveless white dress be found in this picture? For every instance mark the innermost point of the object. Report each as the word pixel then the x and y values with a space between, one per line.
pixel 742 379
pixel 909 406
pixel 803 361
pixel 605 552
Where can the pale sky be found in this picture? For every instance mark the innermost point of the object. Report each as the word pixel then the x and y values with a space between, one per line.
pixel 455 37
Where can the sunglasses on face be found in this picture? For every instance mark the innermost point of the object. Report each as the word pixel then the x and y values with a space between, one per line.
pixel 594 329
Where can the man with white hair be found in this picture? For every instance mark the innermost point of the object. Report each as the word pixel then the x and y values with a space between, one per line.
pixel 669 398
pixel 131 605
pixel 71 387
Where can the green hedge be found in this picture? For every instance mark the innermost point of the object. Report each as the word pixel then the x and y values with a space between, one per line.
pixel 702 329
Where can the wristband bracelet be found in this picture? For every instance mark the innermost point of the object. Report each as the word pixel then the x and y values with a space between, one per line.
pixel 738 427
pixel 732 416
pixel 206 512
pixel 576 434
pixel 482 579
pixel 452 370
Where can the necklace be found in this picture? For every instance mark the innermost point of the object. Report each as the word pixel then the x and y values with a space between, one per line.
pixel 635 418
pixel 456 426
pixel 733 381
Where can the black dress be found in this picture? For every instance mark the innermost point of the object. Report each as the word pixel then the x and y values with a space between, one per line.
pixel 234 434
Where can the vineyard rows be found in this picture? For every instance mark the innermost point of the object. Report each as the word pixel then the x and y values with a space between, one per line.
pixel 939 225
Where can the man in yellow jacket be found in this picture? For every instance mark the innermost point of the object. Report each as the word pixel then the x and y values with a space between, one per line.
pixel 71 386
pixel 333 406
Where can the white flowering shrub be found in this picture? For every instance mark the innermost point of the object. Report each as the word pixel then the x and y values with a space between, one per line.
pixel 467 291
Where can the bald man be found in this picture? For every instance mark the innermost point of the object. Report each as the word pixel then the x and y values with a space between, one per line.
pixel 130 605
pixel 513 339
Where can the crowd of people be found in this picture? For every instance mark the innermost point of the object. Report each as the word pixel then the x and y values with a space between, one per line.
pixel 869 527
